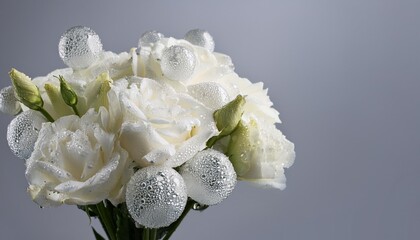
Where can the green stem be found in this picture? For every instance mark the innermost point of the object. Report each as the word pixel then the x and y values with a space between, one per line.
pixel 108 222
pixel 146 234
pixel 175 225
pixel 46 114
pixel 153 234
pixel 75 110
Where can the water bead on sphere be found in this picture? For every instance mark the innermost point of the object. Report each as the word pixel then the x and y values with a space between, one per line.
pixel 8 102
pixel 22 133
pixel 156 196
pixel 150 37
pixel 200 38
pixel 178 63
pixel 209 176
pixel 79 47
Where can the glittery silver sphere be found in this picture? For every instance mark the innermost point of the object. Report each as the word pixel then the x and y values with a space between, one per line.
pixel 8 102
pixel 209 177
pixel 156 196
pixel 79 47
pixel 150 37
pixel 22 133
pixel 211 94
pixel 200 38
pixel 178 63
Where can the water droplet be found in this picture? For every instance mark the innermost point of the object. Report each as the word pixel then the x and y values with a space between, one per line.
pixel 8 102
pixel 79 47
pixel 219 177
pixel 200 38
pixel 178 63
pixel 156 207
pixel 22 133
pixel 149 38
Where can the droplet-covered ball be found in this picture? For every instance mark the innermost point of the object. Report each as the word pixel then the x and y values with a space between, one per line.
pixel 156 196
pixel 23 131
pixel 79 47
pixel 209 177
pixel 150 37
pixel 178 63
pixel 211 94
pixel 200 38
pixel 8 102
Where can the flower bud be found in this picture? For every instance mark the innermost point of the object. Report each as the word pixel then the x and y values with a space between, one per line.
pixel 228 117
pixel 102 98
pixel 26 92
pixel 67 92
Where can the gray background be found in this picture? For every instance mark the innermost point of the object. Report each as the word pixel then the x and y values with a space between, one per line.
pixel 345 76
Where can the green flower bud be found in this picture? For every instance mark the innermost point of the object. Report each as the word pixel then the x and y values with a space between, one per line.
pixel 67 92
pixel 102 97
pixel 60 107
pixel 228 117
pixel 26 92
pixel 239 148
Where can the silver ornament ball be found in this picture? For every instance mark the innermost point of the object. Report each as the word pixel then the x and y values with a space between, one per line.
pixel 149 37
pixel 178 63
pixel 8 102
pixel 200 38
pixel 156 196
pixel 23 131
pixel 79 47
pixel 209 176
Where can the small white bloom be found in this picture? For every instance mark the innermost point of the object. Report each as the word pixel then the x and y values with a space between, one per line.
pixel 160 125
pixel 260 152
pixel 77 161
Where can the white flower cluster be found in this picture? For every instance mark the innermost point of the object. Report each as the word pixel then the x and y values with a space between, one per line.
pixel 116 126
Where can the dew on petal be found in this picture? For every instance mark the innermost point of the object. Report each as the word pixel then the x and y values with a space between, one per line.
pixel 23 131
pixel 79 47
pixel 209 176
pixel 149 37
pixel 200 38
pixel 8 102
pixel 178 63
pixel 156 196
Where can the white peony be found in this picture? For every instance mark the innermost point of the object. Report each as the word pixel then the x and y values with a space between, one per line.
pixel 78 161
pixel 260 152
pixel 160 125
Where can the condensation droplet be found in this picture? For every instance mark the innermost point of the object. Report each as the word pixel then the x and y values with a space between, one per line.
pixel 156 196
pixel 79 47
pixel 200 38
pixel 8 102
pixel 22 133
pixel 219 177
pixel 178 63
pixel 150 37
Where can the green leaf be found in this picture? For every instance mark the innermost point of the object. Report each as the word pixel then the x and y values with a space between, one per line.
pixel 97 235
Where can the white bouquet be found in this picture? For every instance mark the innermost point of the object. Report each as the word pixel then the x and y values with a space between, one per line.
pixel 139 138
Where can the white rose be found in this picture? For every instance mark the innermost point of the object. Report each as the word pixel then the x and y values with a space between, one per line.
pixel 211 67
pixel 78 161
pixel 260 152
pixel 84 82
pixel 160 125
